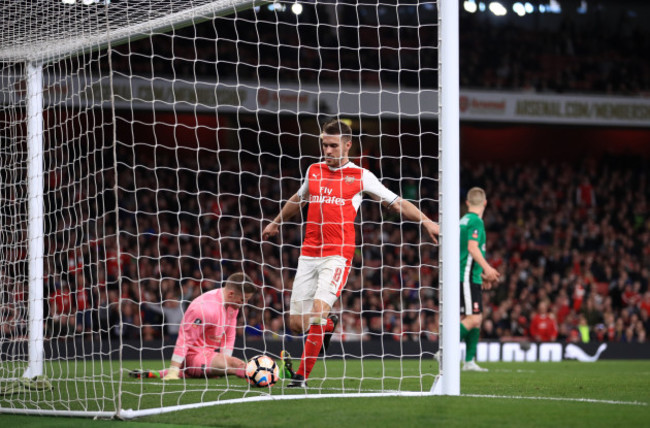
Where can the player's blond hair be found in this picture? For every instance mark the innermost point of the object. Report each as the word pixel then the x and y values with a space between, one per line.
pixel 476 197
pixel 241 282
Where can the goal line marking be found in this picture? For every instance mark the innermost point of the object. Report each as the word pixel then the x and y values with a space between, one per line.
pixel 579 400
pixel 366 391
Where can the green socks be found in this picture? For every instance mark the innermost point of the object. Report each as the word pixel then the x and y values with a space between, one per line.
pixel 463 332
pixel 471 338
pixel 472 342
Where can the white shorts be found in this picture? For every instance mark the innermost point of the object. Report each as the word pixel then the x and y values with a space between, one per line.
pixel 319 278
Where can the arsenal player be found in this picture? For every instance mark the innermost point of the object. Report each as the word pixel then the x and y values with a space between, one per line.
pixel 333 189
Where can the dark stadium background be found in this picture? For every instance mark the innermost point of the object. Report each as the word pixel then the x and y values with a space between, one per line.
pixel 588 257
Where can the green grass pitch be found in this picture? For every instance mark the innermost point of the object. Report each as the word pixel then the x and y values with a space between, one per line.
pixel 567 394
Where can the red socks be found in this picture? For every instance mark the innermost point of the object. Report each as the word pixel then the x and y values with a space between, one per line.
pixel 330 326
pixel 313 345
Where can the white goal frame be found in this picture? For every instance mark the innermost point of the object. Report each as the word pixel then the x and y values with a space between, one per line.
pixel 448 380
pixel 449 126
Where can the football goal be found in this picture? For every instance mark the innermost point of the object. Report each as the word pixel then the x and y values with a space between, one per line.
pixel 146 145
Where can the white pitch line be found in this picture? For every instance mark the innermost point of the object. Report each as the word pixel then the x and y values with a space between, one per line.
pixel 514 371
pixel 578 400
pixel 388 392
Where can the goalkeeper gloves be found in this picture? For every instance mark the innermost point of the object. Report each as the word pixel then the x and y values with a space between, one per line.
pixel 172 373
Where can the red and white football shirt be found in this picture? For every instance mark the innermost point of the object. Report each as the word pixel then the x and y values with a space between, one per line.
pixel 334 196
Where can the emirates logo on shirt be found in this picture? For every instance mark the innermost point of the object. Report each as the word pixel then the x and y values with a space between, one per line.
pixel 327 197
pixel 322 199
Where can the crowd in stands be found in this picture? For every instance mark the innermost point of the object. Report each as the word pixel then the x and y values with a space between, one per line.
pixel 572 243
pixel 589 56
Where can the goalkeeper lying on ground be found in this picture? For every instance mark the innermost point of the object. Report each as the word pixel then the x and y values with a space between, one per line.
pixel 207 335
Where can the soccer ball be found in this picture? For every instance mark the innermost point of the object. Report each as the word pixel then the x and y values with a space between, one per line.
pixel 262 371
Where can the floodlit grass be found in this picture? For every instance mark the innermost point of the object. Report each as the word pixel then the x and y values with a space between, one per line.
pixel 96 383
pixel 605 393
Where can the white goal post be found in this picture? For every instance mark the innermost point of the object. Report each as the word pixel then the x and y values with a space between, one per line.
pixel 147 143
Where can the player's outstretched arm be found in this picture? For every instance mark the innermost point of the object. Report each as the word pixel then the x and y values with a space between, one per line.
pixel 411 212
pixel 289 210
pixel 186 335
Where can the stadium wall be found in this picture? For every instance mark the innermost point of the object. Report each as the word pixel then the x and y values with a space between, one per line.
pixel 515 143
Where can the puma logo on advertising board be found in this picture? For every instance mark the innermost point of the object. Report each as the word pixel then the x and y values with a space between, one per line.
pixel 572 352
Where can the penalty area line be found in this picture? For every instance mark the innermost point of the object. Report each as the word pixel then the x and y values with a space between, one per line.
pixel 577 400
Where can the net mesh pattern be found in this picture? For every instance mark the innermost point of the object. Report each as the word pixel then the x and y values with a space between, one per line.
pixel 165 156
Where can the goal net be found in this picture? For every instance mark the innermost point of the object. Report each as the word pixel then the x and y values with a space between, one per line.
pixel 147 143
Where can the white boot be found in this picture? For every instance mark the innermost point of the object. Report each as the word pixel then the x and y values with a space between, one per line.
pixel 471 366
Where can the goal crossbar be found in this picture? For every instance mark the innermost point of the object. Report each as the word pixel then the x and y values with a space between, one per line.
pixel 26 49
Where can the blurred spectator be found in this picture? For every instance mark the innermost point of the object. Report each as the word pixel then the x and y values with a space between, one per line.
pixel 172 311
pixel 61 315
pixel 583 330
pixel 83 305
pixel 543 327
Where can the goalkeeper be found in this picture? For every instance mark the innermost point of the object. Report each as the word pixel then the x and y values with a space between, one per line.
pixel 207 334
